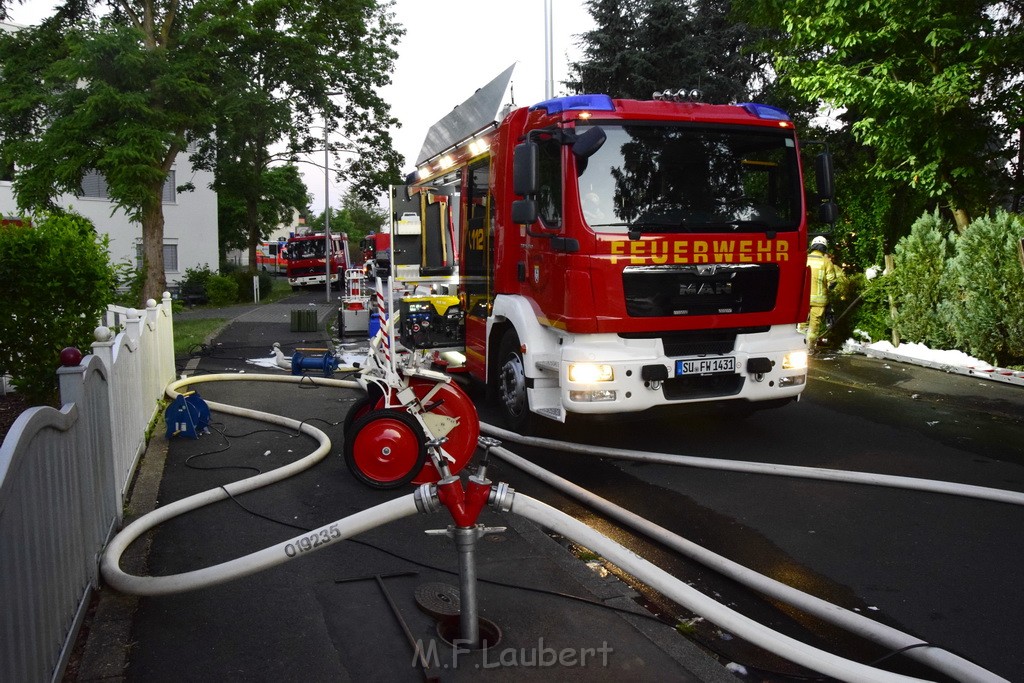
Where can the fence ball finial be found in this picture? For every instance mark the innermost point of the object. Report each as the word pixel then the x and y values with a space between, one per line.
pixel 102 334
pixel 70 357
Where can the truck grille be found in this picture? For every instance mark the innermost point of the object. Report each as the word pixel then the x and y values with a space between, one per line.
pixel 714 289
pixel 306 271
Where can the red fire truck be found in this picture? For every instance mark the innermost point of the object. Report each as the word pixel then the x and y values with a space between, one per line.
pixel 620 255
pixel 306 258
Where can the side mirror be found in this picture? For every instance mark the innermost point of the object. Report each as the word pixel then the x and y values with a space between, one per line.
pixel 524 211
pixel 525 169
pixel 587 144
pixel 824 176
pixel 828 212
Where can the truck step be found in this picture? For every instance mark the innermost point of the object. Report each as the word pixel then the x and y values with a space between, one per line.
pixel 547 364
pixel 552 413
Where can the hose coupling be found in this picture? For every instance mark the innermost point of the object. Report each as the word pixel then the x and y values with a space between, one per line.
pixel 426 498
pixel 501 497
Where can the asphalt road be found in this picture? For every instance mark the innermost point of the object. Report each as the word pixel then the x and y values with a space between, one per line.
pixel 943 568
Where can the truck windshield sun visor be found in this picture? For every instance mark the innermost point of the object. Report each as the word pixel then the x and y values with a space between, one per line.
pixel 653 177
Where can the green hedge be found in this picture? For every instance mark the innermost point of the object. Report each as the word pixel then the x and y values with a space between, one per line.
pixel 57 280
pixel 221 290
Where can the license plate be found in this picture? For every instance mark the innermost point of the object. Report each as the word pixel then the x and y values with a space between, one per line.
pixel 705 366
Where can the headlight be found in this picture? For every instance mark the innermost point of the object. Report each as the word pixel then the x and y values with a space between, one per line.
pixel 795 360
pixel 588 373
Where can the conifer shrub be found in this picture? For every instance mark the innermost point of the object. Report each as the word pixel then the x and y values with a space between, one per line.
pixel 986 285
pixel 921 285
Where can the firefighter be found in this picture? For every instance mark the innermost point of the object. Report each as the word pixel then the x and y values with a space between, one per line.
pixel 824 276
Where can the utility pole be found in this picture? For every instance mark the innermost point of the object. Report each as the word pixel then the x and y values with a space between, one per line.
pixel 327 214
pixel 549 77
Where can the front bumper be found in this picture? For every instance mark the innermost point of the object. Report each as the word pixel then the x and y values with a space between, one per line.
pixel 765 366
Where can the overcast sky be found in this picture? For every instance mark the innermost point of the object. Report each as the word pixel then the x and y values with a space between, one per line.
pixel 450 48
pixel 453 47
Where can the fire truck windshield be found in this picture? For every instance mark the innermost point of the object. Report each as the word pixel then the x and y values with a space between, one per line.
pixel 691 178
pixel 306 249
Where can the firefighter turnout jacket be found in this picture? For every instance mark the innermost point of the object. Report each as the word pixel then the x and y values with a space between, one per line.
pixel 824 275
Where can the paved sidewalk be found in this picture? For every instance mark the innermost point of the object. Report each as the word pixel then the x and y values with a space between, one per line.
pixel 374 608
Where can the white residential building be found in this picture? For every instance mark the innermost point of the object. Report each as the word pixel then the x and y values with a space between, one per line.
pixel 190 219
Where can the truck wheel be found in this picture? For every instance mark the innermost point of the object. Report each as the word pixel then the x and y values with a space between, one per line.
pixel 511 385
pixel 386 449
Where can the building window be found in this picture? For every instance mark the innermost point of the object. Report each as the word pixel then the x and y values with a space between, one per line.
pixel 170 191
pixel 170 257
pixel 94 186
pixel 6 172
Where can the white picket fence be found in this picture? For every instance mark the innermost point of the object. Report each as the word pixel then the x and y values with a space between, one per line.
pixel 63 478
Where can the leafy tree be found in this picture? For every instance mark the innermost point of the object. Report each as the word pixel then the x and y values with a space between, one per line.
pixel 122 86
pixel 874 212
pixel 283 192
pixel 289 64
pixel 642 46
pixel 119 93
pixel 356 218
pixel 931 87
pixel 53 304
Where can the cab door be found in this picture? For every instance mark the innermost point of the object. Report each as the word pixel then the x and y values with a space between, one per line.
pixel 543 270
pixel 476 262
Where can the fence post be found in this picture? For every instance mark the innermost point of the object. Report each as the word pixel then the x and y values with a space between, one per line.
pixel 103 347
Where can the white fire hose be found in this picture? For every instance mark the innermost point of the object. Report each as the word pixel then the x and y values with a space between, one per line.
pixel 555 520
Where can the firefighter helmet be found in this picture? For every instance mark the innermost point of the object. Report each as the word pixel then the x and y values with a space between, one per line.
pixel 819 243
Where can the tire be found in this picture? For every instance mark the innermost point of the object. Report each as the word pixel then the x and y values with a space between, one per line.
pixel 363 405
pixel 386 449
pixel 510 386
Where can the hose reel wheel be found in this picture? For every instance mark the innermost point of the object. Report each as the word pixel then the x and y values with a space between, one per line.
pixel 385 449
pixel 448 410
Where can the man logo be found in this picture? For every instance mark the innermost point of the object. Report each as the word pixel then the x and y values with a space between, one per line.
pixel 705 288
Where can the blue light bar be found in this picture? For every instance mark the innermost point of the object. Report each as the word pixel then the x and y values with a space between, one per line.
pixel 576 103
pixel 764 111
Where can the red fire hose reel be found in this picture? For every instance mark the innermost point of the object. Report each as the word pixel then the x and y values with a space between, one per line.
pixel 386 447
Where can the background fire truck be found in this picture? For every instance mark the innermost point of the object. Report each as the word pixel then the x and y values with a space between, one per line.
pixel 621 255
pixel 306 256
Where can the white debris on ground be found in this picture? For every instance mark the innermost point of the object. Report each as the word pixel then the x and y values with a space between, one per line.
pixel 949 361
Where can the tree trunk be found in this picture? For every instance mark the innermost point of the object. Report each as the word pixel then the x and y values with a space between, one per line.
pixel 1018 176
pixel 153 250
pixel 962 219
